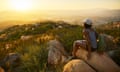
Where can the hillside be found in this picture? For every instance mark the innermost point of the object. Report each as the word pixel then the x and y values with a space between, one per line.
pixel 29 40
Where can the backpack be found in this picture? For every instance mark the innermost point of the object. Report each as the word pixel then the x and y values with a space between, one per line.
pixel 101 43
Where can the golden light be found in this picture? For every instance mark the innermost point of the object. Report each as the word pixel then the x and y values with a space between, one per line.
pixel 21 5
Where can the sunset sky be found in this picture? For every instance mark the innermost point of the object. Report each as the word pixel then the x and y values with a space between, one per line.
pixel 24 5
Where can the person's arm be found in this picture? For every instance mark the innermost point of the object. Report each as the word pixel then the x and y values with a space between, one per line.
pixel 96 34
pixel 88 43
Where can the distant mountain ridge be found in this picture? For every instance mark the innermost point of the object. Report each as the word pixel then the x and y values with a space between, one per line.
pixel 100 16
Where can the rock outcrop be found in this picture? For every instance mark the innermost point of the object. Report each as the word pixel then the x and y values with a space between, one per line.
pixel 109 42
pixel 102 63
pixel 77 66
pixel 56 53
pixel 11 58
pixel 11 62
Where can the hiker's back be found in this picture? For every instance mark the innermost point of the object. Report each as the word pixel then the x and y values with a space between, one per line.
pixel 92 36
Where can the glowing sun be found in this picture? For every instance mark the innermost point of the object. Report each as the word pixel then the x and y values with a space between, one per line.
pixel 21 5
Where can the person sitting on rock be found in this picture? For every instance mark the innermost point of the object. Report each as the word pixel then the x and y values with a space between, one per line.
pixel 90 36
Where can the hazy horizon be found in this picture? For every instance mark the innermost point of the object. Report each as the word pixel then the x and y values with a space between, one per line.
pixel 16 15
pixel 41 9
pixel 66 10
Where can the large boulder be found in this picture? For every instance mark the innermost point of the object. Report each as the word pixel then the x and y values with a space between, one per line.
pixel 109 42
pixel 56 52
pixel 12 58
pixel 11 61
pixel 77 66
pixel 101 63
